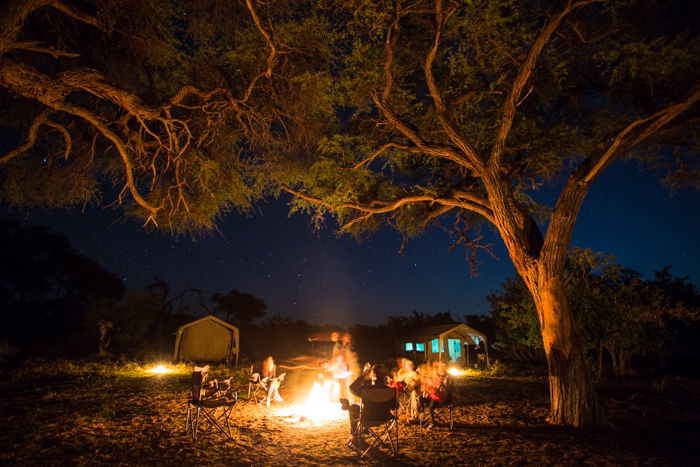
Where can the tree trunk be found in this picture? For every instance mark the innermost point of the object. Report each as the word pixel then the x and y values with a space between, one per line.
pixel 573 399
pixel 619 362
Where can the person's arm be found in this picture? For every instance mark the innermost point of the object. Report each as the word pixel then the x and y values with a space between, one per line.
pixel 356 386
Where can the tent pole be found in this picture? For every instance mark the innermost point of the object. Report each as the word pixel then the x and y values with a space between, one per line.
pixel 177 346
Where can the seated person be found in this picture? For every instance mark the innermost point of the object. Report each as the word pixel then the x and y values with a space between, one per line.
pixel 268 375
pixel 437 389
pixel 407 379
pixel 372 378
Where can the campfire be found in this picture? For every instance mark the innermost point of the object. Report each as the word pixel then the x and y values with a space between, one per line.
pixel 318 407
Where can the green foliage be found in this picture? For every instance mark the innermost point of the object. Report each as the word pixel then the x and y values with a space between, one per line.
pixel 606 66
pixel 621 315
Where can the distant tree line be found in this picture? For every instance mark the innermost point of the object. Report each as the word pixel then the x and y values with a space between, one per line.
pixel 57 302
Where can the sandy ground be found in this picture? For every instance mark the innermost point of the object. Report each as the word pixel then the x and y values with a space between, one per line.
pixel 95 420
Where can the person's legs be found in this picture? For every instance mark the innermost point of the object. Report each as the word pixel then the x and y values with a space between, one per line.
pixel 270 391
pixel 354 415
pixel 413 404
pixel 431 407
pixel 277 396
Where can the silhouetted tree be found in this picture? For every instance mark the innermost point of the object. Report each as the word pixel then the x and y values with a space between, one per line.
pixel 238 307
pixel 45 284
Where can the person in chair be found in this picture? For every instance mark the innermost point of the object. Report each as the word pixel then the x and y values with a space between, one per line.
pixel 373 378
pixel 269 377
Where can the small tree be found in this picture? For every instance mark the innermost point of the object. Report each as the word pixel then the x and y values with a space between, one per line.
pixel 238 307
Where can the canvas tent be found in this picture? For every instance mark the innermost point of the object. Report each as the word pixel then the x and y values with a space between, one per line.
pixel 207 339
pixel 450 342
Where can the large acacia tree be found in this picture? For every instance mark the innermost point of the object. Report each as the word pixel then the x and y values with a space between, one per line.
pixel 454 113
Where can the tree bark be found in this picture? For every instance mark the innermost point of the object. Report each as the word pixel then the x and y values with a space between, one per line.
pixel 574 401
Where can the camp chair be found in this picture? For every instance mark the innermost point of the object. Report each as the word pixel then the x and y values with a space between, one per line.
pixel 257 388
pixel 441 414
pixel 378 424
pixel 212 400
pixel 404 396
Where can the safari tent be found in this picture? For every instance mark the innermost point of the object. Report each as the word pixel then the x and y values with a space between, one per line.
pixel 207 339
pixel 450 342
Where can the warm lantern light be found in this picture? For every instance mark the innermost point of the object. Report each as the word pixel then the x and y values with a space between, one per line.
pixel 454 371
pixel 160 370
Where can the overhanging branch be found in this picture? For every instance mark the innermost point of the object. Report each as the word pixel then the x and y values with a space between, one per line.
pixel 576 188
pixel 383 207
pixel 523 76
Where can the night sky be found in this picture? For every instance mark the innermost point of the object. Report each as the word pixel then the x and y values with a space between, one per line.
pixel 324 279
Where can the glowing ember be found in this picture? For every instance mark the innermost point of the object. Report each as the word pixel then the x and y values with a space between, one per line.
pixel 160 370
pixel 454 371
pixel 318 407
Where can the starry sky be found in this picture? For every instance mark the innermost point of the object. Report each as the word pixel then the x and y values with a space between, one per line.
pixel 324 279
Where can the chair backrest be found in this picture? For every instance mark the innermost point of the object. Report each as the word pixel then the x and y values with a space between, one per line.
pixel 199 378
pixel 378 403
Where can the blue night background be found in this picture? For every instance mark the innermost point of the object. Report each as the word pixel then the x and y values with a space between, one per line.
pixel 325 279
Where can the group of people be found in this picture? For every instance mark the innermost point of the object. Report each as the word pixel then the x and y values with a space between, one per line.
pixel 423 386
pixel 426 386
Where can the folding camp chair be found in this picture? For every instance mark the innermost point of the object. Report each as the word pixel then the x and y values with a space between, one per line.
pixel 213 401
pixel 378 423
pixel 408 401
pixel 441 413
pixel 257 388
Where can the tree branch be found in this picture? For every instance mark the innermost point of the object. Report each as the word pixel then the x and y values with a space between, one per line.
pixel 524 74
pixel 447 125
pixel 77 15
pixel 635 133
pixel 13 14
pixel 379 151
pixel 436 150
pixel 576 188
pixel 37 86
pixel 441 151
pixel 32 135
pixel 383 207
pixel 39 47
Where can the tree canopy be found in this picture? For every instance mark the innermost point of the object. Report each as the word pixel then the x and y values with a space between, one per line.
pixel 158 106
pixel 455 113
